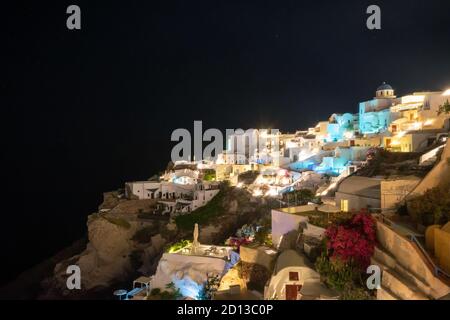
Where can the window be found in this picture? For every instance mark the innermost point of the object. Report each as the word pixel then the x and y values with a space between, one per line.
pixel 293 276
pixel 344 205
pixel 388 143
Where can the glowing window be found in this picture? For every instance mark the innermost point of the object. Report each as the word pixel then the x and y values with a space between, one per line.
pixel 344 205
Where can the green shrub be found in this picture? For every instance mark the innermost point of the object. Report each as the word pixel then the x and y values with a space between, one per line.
pixel 433 207
pixel 118 222
pixel 172 293
pixel 335 273
pixel 352 292
pixel 210 287
pixel 444 108
pixel 325 219
pixel 209 175
pixel 345 278
pixel 178 246
pixel 264 236
pixel 203 214
pixel 155 291
pixel 299 197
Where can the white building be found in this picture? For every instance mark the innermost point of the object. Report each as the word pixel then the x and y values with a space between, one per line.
pixel 294 279
pixel 253 146
pixel 231 158
pixel 355 193
pixel 182 205
pixel 189 267
pixel 375 115
pixel 182 194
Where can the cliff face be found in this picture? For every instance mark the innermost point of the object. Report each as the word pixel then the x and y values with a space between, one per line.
pixel 122 244
pixel 106 257
pixel 113 253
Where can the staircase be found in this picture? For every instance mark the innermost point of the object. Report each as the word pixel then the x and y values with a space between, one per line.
pixel 396 282
pixel 406 273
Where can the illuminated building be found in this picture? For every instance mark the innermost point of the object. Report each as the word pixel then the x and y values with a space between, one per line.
pixel 418 122
pixel 342 126
pixel 374 115
pixel 188 268
pixel 355 193
pixel 341 159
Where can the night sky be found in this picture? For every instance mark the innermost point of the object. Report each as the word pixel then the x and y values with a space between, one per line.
pixel 84 111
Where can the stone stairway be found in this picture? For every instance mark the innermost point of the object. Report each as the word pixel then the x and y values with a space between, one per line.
pixel 407 271
pixel 397 283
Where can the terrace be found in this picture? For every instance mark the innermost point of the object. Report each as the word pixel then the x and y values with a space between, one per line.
pixel 323 218
pixel 211 251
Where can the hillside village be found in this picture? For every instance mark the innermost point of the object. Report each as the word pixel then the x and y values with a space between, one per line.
pixel 269 223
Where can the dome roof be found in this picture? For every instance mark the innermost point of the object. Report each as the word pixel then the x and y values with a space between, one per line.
pixel 384 86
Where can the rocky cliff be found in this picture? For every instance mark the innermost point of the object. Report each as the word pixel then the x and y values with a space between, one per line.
pixel 125 242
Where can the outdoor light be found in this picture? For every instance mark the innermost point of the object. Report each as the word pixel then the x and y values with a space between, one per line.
pixel 417 125
pixel 348 134
pixel 272 193
pixel 257 193
pixel 446 92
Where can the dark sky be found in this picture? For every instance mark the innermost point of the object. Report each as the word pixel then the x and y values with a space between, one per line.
pixel 84 111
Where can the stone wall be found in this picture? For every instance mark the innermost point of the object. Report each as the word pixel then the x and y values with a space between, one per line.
pixel 440 174
pixel 406 259
pixel 257 255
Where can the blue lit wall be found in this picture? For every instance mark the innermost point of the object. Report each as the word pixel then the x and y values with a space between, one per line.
pixel 334 132
pixel 188 287
pixel 303 165
pixel 332 165
pixel 374 122
pixel 335 165
pixel 343 123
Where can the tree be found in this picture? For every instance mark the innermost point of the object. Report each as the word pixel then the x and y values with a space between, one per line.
pixel 209 175
pixel 444 108
pixel 432 207
pixel 299 197
pixel 172 292
pixel 211 286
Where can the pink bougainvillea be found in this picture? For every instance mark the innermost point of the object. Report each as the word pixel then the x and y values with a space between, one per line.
pixel 237 242
pixel 353 240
